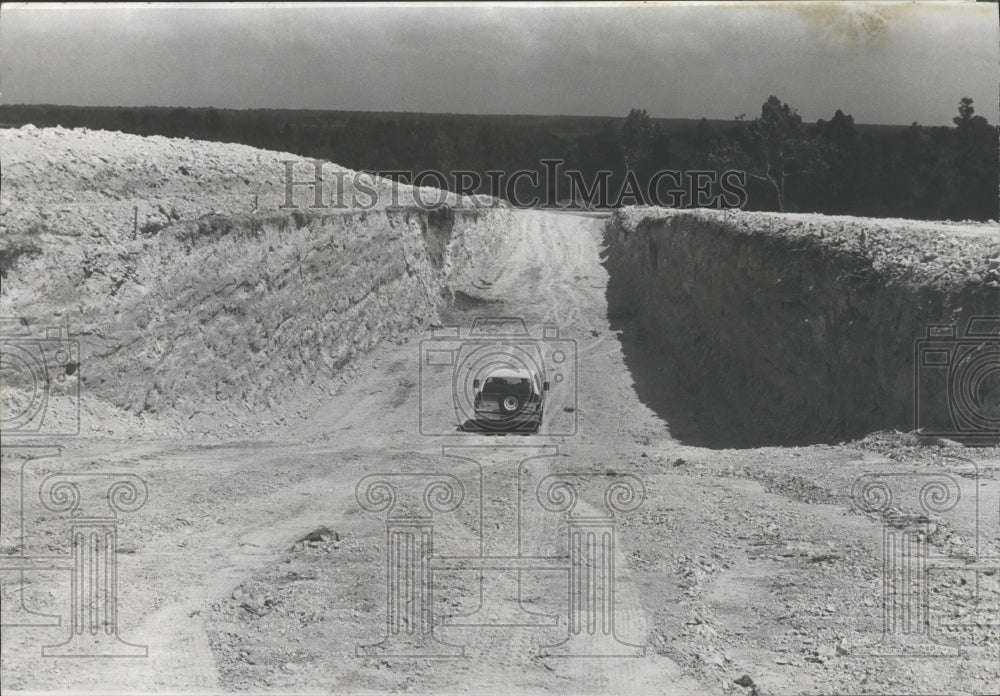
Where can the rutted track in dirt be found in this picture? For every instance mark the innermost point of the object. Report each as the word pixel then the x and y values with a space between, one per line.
pixel 694 589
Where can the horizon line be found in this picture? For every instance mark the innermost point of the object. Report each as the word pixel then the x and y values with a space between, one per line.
pixel 451 113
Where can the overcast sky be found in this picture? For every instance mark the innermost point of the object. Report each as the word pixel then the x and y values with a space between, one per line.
pixel 883 63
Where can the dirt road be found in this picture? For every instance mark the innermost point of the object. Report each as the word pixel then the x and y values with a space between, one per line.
pixel 713 571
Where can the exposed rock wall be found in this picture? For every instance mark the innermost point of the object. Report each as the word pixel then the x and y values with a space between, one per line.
pixel 190 289
pixel 795 328
pixel 238 313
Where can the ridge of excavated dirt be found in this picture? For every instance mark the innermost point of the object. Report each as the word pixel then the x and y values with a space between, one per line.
pixel 189 303
pixel 921 252
pixel 81 182
pixel 791 329
pixel 105 184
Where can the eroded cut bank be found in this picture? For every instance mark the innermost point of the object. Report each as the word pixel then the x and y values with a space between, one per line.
pixel 791 329
pixel 232 314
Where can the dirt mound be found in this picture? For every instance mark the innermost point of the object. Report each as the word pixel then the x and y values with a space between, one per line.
pixel 201 304
pixel 70 183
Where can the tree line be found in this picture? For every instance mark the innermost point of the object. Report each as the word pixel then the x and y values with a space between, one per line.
pixel 831 166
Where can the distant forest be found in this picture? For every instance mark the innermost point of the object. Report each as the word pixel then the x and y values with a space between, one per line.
pixel 832 166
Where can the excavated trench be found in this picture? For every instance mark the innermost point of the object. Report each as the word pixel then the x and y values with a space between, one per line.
pixel 748 329
pixel 740 329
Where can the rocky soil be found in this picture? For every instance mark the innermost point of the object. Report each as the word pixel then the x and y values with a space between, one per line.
pixel 940 253
pixel 73 183
pixel 753 571
pixel 228 305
